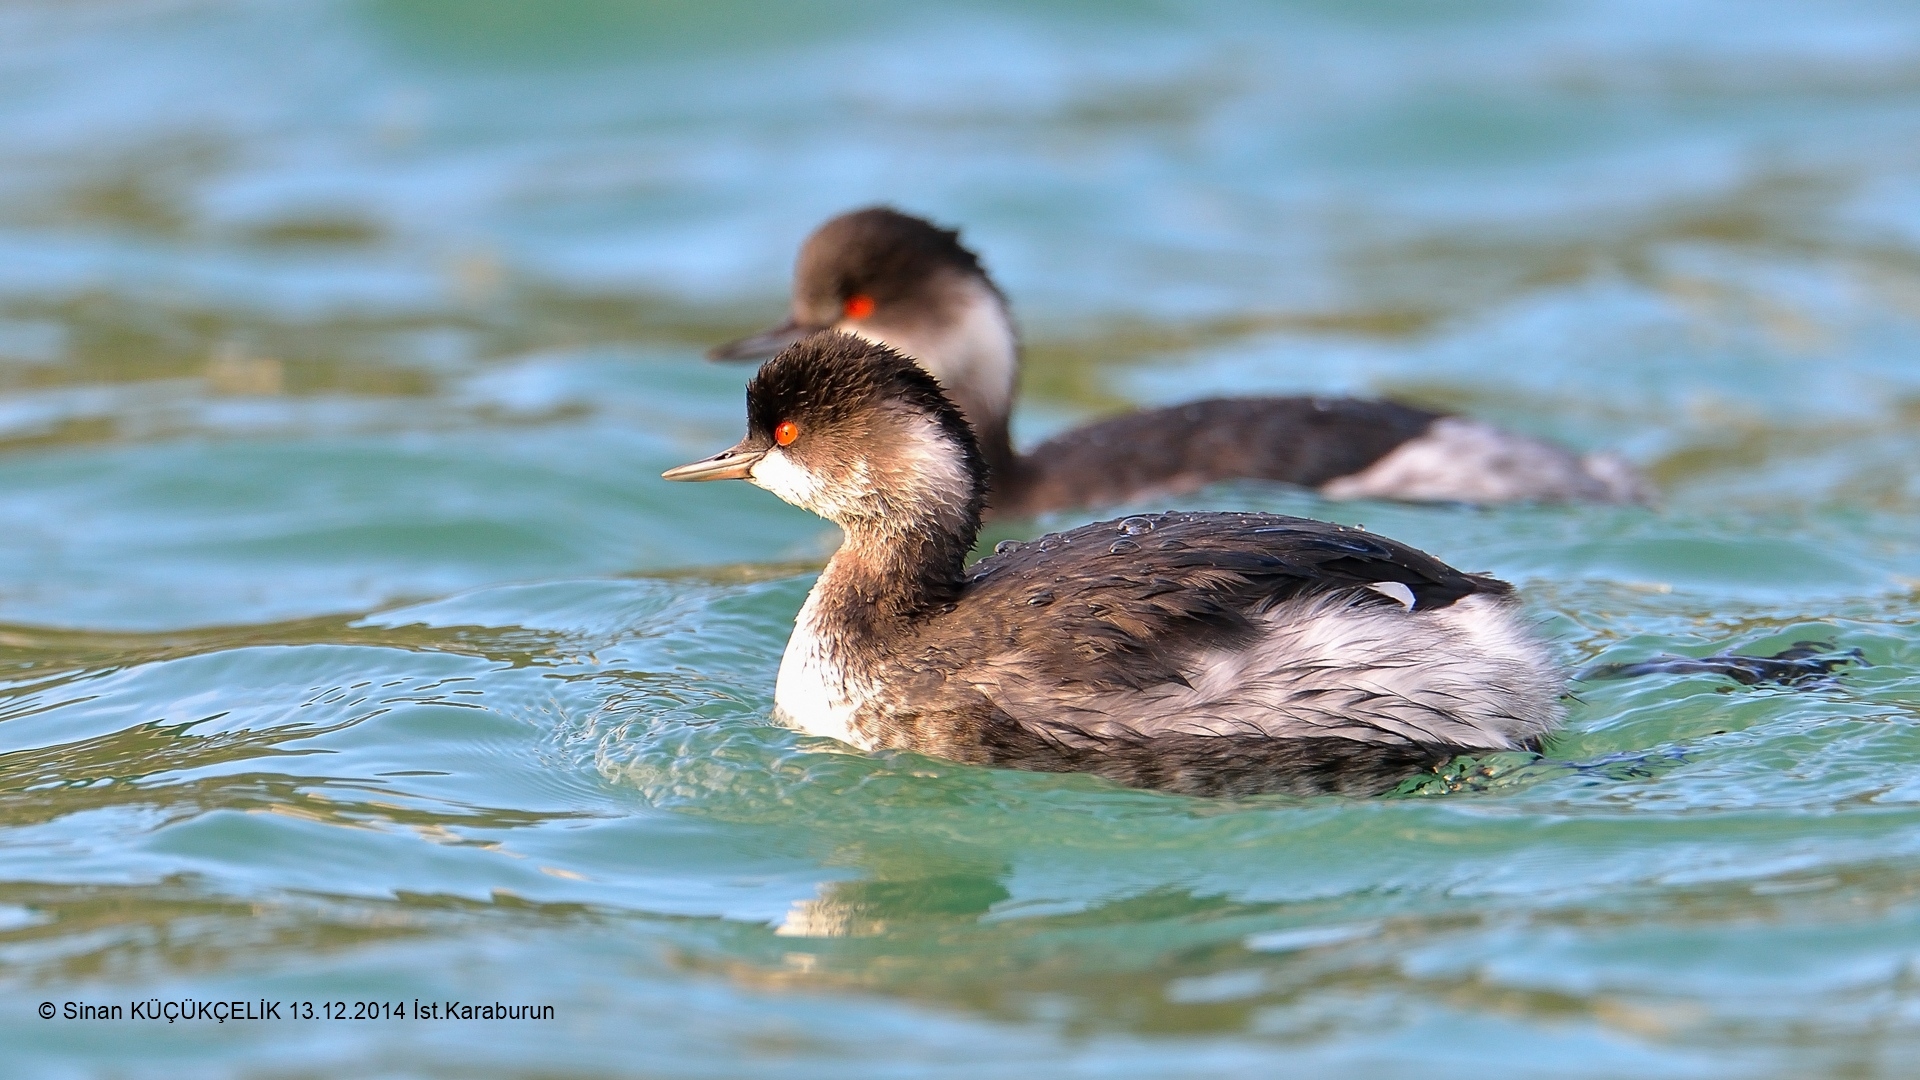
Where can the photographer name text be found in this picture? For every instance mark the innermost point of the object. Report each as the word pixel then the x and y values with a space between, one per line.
pixel 177 1010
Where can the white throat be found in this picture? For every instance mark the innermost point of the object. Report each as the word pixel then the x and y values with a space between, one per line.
pixel 779 473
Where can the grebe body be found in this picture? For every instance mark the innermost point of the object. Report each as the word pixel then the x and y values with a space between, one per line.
pixel 1202 653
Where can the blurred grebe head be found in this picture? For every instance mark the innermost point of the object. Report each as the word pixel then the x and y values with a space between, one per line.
pixel 902 281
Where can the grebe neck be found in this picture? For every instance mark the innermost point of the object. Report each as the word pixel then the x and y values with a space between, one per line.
pixel 889 573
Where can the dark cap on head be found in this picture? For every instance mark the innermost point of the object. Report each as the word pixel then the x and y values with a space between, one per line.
pixel 837 402
pixel 865 263
pixel 877 252
pixel 830 382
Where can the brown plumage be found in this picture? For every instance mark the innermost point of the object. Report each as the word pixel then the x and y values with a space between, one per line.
pixel 1205 653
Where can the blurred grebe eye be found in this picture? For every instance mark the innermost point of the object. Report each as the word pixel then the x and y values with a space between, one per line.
pixel 785 432
pixel 859 306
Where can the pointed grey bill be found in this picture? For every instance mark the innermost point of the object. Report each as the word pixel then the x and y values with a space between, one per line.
pixel 761 345
pixel 734 463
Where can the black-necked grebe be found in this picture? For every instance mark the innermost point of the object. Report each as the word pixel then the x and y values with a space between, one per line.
pixel 896 279
pixel 1203 653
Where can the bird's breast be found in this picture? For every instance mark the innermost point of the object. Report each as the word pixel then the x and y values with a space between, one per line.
pixel 813 693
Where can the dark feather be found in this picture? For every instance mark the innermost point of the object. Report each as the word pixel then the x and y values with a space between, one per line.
pixel 1291 440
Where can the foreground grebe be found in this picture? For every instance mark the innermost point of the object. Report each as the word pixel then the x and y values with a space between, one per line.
pixel 1204 653
pixel 896 279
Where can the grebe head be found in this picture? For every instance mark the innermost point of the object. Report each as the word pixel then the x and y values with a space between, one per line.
pixel 905 282
pixel 857 433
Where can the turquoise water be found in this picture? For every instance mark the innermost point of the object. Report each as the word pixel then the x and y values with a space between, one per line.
pixel 351 649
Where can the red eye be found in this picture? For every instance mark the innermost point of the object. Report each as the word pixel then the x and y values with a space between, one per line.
pixel 859 306
pixel 785 432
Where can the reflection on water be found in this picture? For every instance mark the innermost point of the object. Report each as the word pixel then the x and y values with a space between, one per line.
pixel 349 648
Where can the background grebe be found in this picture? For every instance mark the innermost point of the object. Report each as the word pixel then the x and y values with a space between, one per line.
pixel 1204 653
pixel 900 280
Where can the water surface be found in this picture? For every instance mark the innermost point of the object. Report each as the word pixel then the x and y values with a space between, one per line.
pixel 350 648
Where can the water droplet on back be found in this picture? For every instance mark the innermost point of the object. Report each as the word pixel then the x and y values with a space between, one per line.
pixel 1041 598
pixel 1005 546
pixel 1123 547
pixel 1134 526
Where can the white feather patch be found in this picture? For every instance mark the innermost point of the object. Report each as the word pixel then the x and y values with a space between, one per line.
pixel 813 692
pixel 1394 590
pixel 1465 461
